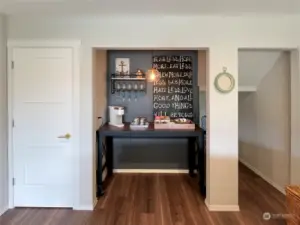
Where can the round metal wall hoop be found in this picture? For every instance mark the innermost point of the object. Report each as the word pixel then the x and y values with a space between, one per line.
pixel 224 74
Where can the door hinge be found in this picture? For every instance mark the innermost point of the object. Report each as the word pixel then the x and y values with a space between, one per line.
pixel 13 123
pixel 14 181
pixel 12 64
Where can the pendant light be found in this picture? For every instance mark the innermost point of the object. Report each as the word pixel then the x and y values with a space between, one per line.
pixel 153 74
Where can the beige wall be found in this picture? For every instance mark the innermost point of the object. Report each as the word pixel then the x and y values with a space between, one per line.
pixel 3 121
pixel 264 123
pixel 202 67
pixel 100 83
pixel 99 98
pixel 295 117
pixel 202 70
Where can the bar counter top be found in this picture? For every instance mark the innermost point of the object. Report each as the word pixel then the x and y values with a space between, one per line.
pixel 108 129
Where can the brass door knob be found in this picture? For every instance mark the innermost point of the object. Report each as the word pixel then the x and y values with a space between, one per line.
pixel 66 136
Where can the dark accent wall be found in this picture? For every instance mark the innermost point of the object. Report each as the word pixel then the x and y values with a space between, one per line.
pixel 148 153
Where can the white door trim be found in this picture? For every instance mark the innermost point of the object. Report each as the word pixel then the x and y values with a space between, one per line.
pixel 75 45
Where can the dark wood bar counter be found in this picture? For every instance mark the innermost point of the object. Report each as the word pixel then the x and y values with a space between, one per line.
pixel 107 133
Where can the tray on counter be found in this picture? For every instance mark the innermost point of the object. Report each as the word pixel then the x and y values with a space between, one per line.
pixel 174 126
pixel 162 122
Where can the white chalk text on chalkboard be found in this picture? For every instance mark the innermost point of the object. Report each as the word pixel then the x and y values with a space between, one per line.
pixel 173 92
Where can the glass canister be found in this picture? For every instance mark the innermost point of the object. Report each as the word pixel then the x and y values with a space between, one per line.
pixel 136 121
pixel 143 120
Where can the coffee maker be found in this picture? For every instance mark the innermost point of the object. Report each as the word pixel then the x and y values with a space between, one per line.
pixel 116 116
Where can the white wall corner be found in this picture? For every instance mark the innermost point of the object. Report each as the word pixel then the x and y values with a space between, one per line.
pixel 260 174
pixel 295 117
pixel 247 88
pixel 3 118
pixel 3 210
pixel 222 208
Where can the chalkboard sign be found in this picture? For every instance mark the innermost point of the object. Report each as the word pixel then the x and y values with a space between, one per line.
pixel 173 92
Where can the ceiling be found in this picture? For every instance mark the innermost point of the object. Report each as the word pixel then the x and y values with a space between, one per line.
pixel 163 7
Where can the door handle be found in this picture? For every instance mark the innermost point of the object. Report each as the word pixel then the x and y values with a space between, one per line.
pixel 66 136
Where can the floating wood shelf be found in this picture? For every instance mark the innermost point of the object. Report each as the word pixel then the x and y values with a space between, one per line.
pixel 127 76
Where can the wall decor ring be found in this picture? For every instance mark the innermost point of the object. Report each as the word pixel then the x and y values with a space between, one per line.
pixel 224 82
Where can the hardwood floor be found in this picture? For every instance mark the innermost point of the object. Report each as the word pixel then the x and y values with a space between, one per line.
pixel 160 199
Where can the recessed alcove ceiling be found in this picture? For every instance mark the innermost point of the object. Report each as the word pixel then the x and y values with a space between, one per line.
pixel 164 7
pixel 254 65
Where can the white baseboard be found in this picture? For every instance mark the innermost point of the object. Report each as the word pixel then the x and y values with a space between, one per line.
pixel 3 210
pixel 276 186
pixel 85 208
pixel 150 171
pixel 222 208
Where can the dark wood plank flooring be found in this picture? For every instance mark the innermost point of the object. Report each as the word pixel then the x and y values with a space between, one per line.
pixel 160 199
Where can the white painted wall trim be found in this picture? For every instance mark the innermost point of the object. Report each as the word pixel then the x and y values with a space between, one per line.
pixel 256 171
pixel 240 89
pixel 75 45
pixel 222 208
pixel 150 171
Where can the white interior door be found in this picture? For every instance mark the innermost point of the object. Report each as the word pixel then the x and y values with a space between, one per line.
pixel 42 112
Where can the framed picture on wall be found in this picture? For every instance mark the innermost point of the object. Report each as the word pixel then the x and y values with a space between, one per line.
pixel 122 65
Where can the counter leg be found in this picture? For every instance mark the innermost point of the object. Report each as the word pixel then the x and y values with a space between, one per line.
pixel 202 165
pixel 191 156
pixel 109 155
pixel 100 191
